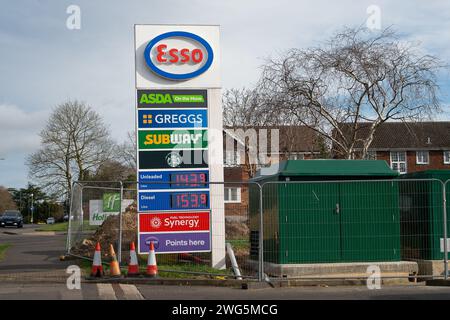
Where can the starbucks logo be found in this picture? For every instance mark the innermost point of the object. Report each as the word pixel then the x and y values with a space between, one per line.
pixel 155 222
pixel 174 159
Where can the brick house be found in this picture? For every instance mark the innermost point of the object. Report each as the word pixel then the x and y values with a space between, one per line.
pixel 295 143
pixel 411 146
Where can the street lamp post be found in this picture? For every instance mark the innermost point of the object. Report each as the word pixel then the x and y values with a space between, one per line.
pixel 32 209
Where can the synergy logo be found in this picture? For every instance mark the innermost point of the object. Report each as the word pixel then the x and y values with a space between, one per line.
pixel 168 118
pixel 155 222
pixel 174 221
pixel 178 55
pixel 172 139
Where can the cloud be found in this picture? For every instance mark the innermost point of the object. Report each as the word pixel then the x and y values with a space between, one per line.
pixel 42 63
pixel 19 129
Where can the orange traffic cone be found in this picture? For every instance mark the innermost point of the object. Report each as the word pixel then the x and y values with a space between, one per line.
pixel 97 267
pixel 133 265
pixel 114 268
pixel 152 269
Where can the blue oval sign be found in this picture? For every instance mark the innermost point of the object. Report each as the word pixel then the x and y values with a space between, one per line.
pixel 155 241
pixel 165 55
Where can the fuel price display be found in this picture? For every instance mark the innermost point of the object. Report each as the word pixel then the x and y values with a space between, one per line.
pixel 189 201
pixel 189 180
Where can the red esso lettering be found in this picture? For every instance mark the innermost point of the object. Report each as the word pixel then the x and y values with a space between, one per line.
pixel 174 55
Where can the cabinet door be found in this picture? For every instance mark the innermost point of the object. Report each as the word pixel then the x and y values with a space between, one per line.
pixel 370 221
pixel 309 222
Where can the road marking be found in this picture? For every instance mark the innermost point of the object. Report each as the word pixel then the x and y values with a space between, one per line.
pixel 131 292
pixel 40 233
pixel 106 291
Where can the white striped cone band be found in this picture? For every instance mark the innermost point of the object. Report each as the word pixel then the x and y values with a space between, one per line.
pixel 97 258
pixel 133 258
pixel 151 258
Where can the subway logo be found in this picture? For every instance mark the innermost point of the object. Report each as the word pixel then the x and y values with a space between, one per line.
pixel 173 139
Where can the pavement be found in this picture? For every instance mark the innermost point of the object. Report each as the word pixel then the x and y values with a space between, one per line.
pixel 35 255
pixel 105 291
pixel 32 251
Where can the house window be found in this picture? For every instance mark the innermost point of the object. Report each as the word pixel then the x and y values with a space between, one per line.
pixel 422 157
pixel 232 158
pixel 446 157
pixel 296 156
pixel 232 195
pixel 398 161
pixel 371 155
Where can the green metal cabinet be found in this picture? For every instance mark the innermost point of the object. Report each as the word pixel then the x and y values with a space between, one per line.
pixel 309 223
pixel 314 214
pixel 422 214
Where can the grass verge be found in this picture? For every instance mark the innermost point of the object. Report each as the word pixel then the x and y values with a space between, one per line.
pixel 62 226
pixel 239 244
pixel 3 248
pixel 173 270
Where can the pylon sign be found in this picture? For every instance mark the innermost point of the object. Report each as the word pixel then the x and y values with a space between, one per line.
pixel 178 107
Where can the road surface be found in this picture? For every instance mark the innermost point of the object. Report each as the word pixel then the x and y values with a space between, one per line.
pixel 34 253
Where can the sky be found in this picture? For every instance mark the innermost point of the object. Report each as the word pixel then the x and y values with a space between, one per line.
pixel 43 63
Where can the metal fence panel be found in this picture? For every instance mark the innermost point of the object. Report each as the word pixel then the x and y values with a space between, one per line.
pixel 353 221
pixel 280 223
pixel 120 229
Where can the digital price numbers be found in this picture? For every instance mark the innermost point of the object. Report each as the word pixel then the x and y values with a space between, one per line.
pixel 189 201
pixel 189 180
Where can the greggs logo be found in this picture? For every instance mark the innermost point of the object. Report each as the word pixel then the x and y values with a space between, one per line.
pixel 166 118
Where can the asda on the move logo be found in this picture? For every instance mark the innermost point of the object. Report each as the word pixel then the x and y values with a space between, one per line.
pixel 178 55
pixel 172 98
pixel 159 98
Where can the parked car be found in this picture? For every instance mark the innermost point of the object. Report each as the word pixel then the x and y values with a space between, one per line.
pixel 11 218
pixel 50 220
pixel 66 217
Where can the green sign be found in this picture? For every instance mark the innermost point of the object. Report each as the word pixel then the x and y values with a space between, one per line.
pixel 172 99
pixel 172 139
pixel 111 202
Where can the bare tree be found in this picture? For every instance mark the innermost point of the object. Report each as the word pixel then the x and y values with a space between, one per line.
pixel 357 77
pixel 74 142
pixel 127 151
pixel 245 108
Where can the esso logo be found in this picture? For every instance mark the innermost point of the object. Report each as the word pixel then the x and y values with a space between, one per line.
pixel 182 56
pixel 178 55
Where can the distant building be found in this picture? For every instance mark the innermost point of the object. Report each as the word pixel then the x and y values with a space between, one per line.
pixel 295 143
pixel 409 146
